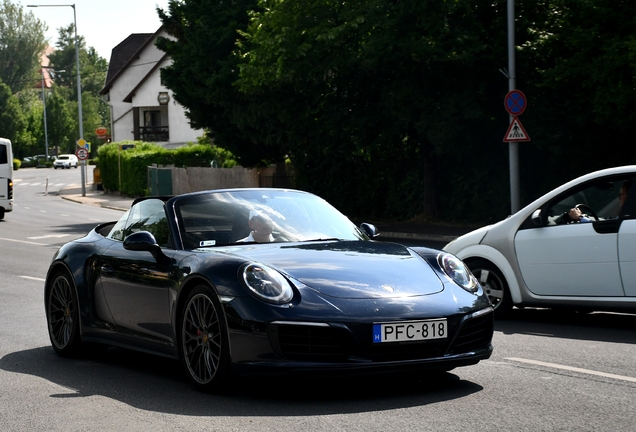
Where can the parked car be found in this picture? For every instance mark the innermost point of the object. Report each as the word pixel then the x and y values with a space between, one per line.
pixel 36 161
pixel 65 161
pixel 547 255
pixel 188 277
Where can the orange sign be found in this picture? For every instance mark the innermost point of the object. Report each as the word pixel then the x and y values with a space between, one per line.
pixel 101 131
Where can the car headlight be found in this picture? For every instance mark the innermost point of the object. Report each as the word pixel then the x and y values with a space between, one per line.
pixel 267 284
pixel 458 271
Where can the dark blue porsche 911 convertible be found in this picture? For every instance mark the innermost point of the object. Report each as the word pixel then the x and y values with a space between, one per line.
pixel 244 281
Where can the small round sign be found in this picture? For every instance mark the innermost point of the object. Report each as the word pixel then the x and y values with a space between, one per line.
pixel 515 102
pixel 81 153
pixel 101 131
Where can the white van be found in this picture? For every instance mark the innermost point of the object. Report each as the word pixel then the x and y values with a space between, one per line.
pixel 6 177
pixel 65 161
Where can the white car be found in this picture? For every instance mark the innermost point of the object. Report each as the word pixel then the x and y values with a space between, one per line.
pixel 65 161
pixel 543 257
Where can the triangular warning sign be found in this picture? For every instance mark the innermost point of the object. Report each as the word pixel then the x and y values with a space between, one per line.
pixel 516 132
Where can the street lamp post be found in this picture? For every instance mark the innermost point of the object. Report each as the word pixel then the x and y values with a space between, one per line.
pixel 79 87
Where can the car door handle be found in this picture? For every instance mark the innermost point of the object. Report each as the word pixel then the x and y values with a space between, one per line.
pixel 607 226
pixel 108 269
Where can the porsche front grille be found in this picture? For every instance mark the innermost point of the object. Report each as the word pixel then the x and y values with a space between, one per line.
pixel 473 334
pixel 310 343
pixel 314 342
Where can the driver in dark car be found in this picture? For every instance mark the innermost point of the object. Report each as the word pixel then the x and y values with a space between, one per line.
pixel 261 226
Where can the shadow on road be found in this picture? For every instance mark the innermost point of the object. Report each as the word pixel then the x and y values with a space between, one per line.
pixel 157 384
pixel 594 326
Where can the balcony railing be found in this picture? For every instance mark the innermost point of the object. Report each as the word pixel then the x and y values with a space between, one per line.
pixel 154 133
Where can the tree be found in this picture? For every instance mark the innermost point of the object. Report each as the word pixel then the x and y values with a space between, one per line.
pixel 579 63
pixel 61 120
pixel 402 102
pixel 12 120
pixel 95 111
pixel 203 72
pixel 22 41
pixel 31 140
pixel 380 99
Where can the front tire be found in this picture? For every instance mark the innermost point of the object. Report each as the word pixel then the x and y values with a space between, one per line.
pixel 62 315
pixel 204 340
pixel 494 284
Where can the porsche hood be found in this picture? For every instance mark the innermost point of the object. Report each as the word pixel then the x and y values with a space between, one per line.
pixel 351 269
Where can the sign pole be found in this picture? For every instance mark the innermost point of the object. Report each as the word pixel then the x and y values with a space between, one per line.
pixel 513 147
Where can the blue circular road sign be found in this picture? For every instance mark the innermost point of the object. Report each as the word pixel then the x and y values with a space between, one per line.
pixel 515 102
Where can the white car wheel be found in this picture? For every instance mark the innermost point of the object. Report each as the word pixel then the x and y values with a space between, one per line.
pixel 494 284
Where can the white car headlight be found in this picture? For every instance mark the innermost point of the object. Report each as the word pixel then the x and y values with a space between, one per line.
pixel 267 284
pixel 458 271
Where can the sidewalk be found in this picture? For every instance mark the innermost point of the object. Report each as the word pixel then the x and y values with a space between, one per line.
pixel 408 230
pixel 114 201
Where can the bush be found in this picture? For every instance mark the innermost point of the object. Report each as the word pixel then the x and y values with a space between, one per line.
pixel 17 163
pixel 133 163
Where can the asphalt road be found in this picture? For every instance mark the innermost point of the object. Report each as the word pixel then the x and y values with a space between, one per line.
pixel 549 371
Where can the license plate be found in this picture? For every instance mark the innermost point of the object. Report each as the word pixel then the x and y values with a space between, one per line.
pixel 410 331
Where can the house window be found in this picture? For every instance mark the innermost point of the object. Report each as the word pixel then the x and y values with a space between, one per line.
pixel 153 130
pixel 152 118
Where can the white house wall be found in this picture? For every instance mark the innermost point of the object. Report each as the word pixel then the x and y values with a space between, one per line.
pixel 146 97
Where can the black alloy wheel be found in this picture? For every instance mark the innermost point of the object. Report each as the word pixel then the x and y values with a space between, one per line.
pixel 62 313
pixel 204 340
pixel 494 284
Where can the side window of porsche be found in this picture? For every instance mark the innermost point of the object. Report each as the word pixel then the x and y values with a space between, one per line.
pixel 117 233
pixel 148 215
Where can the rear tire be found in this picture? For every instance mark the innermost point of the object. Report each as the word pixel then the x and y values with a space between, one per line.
pixel 204 342
pixel 62 315
pixel 494 284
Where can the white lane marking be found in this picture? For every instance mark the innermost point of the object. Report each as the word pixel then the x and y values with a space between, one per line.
pixel 33 278
pixel 573 369
pixel 64 214
pixel 22 241
pixel 48 236
pixel 43 211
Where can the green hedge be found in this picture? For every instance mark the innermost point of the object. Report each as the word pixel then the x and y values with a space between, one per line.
pixel 17 163
pixel 134 162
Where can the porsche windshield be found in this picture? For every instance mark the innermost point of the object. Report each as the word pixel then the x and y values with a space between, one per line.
pixel 259 216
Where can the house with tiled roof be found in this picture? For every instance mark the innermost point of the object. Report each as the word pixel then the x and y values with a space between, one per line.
pixel 142 108
pixel 45 71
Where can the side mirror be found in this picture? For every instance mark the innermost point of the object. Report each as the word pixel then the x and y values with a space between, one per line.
pixel 145 242
pixel 536 218
pixel 369 229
